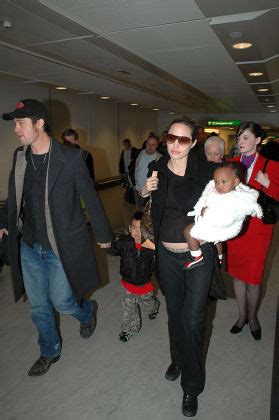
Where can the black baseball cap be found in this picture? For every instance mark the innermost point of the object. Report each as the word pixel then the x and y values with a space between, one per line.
pixel 28 108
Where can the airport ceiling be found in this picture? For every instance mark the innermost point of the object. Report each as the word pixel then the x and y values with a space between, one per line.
pixel 175 55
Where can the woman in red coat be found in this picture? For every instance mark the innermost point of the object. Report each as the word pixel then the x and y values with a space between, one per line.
pixel 247 252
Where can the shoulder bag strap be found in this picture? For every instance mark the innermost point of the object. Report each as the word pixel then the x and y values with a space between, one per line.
pixel 265 165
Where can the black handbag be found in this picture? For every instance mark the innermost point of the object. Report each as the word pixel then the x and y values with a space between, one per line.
pixel 217 287
pixel 267 204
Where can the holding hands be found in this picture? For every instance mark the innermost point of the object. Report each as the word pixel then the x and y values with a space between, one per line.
pixel 104 245
pixel 3 232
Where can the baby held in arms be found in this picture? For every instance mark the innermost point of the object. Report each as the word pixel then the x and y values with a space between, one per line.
pixel 220 211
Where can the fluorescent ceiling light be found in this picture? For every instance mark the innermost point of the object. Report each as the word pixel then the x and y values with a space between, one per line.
pixel 209 130
pixel 270 106
pixel 242 45
pixel 263 90
pixel 133 104
pixel 104 97
pixel 61 88
pixel 155 109
pixel 256 74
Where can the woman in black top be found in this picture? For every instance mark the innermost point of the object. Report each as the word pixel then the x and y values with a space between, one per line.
pixel 176 182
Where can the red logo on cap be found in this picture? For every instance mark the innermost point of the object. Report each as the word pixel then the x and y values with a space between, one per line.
pixel 20 105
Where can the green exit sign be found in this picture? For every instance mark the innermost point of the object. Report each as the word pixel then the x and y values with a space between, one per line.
pixel 224 123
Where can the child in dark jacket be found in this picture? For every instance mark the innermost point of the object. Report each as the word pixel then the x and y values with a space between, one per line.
pixel 136 265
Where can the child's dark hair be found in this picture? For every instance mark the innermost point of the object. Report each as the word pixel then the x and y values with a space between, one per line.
pixel 237 167
pixel 136 216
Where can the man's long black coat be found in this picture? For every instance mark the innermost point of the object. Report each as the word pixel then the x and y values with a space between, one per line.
pixel 68 180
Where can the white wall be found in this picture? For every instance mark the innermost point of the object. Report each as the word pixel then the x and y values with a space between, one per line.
pixel 102 125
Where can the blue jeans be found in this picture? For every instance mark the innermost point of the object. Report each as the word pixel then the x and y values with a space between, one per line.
pixel 47 288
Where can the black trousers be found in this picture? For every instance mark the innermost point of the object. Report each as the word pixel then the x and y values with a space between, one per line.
pixel 186 294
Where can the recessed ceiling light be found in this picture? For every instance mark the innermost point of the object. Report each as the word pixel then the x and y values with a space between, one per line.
pixel 270 106
pixel 242 45
pixel 155 109
pixel 133 104
pixel 256 74
pixel 263 90
pixel 61 88
pixel 104 97
pixel 171 113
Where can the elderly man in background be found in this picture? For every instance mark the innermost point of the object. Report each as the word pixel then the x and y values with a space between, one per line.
pixel 214 148
pixel 146 156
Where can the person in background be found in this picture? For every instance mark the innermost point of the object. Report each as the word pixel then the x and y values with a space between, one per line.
pixel 201 137
pixel 234 152
pixel 146 156
pixel 150 134
pixel 247 252
pixel 163 149
pixel 127 163
pixel 136 265
pixel 181 178
pixel 49 246
pixel 214 149
pixel 270 150
pixel 70 138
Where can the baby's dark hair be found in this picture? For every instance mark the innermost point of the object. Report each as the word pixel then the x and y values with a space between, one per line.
pixel 136 216
pixel 237 167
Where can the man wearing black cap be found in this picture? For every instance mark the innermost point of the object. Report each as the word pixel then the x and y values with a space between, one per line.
pixel 50 251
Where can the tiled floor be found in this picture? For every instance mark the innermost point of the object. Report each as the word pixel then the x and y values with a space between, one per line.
pixel 103 378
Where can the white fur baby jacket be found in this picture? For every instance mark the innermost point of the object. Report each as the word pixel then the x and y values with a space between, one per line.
pixel 225 213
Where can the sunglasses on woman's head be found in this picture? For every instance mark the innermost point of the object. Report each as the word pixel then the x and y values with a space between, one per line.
pixel 182 140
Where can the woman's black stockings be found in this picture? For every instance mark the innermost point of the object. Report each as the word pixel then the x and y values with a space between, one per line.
pixel 247 297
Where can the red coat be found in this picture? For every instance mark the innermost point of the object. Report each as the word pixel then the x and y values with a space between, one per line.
pixel 247 252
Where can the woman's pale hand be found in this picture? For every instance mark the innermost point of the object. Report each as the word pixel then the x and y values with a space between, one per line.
pixel 263 179
pixel 152 182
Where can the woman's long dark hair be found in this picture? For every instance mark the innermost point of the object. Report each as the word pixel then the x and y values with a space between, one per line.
pixel 187 123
